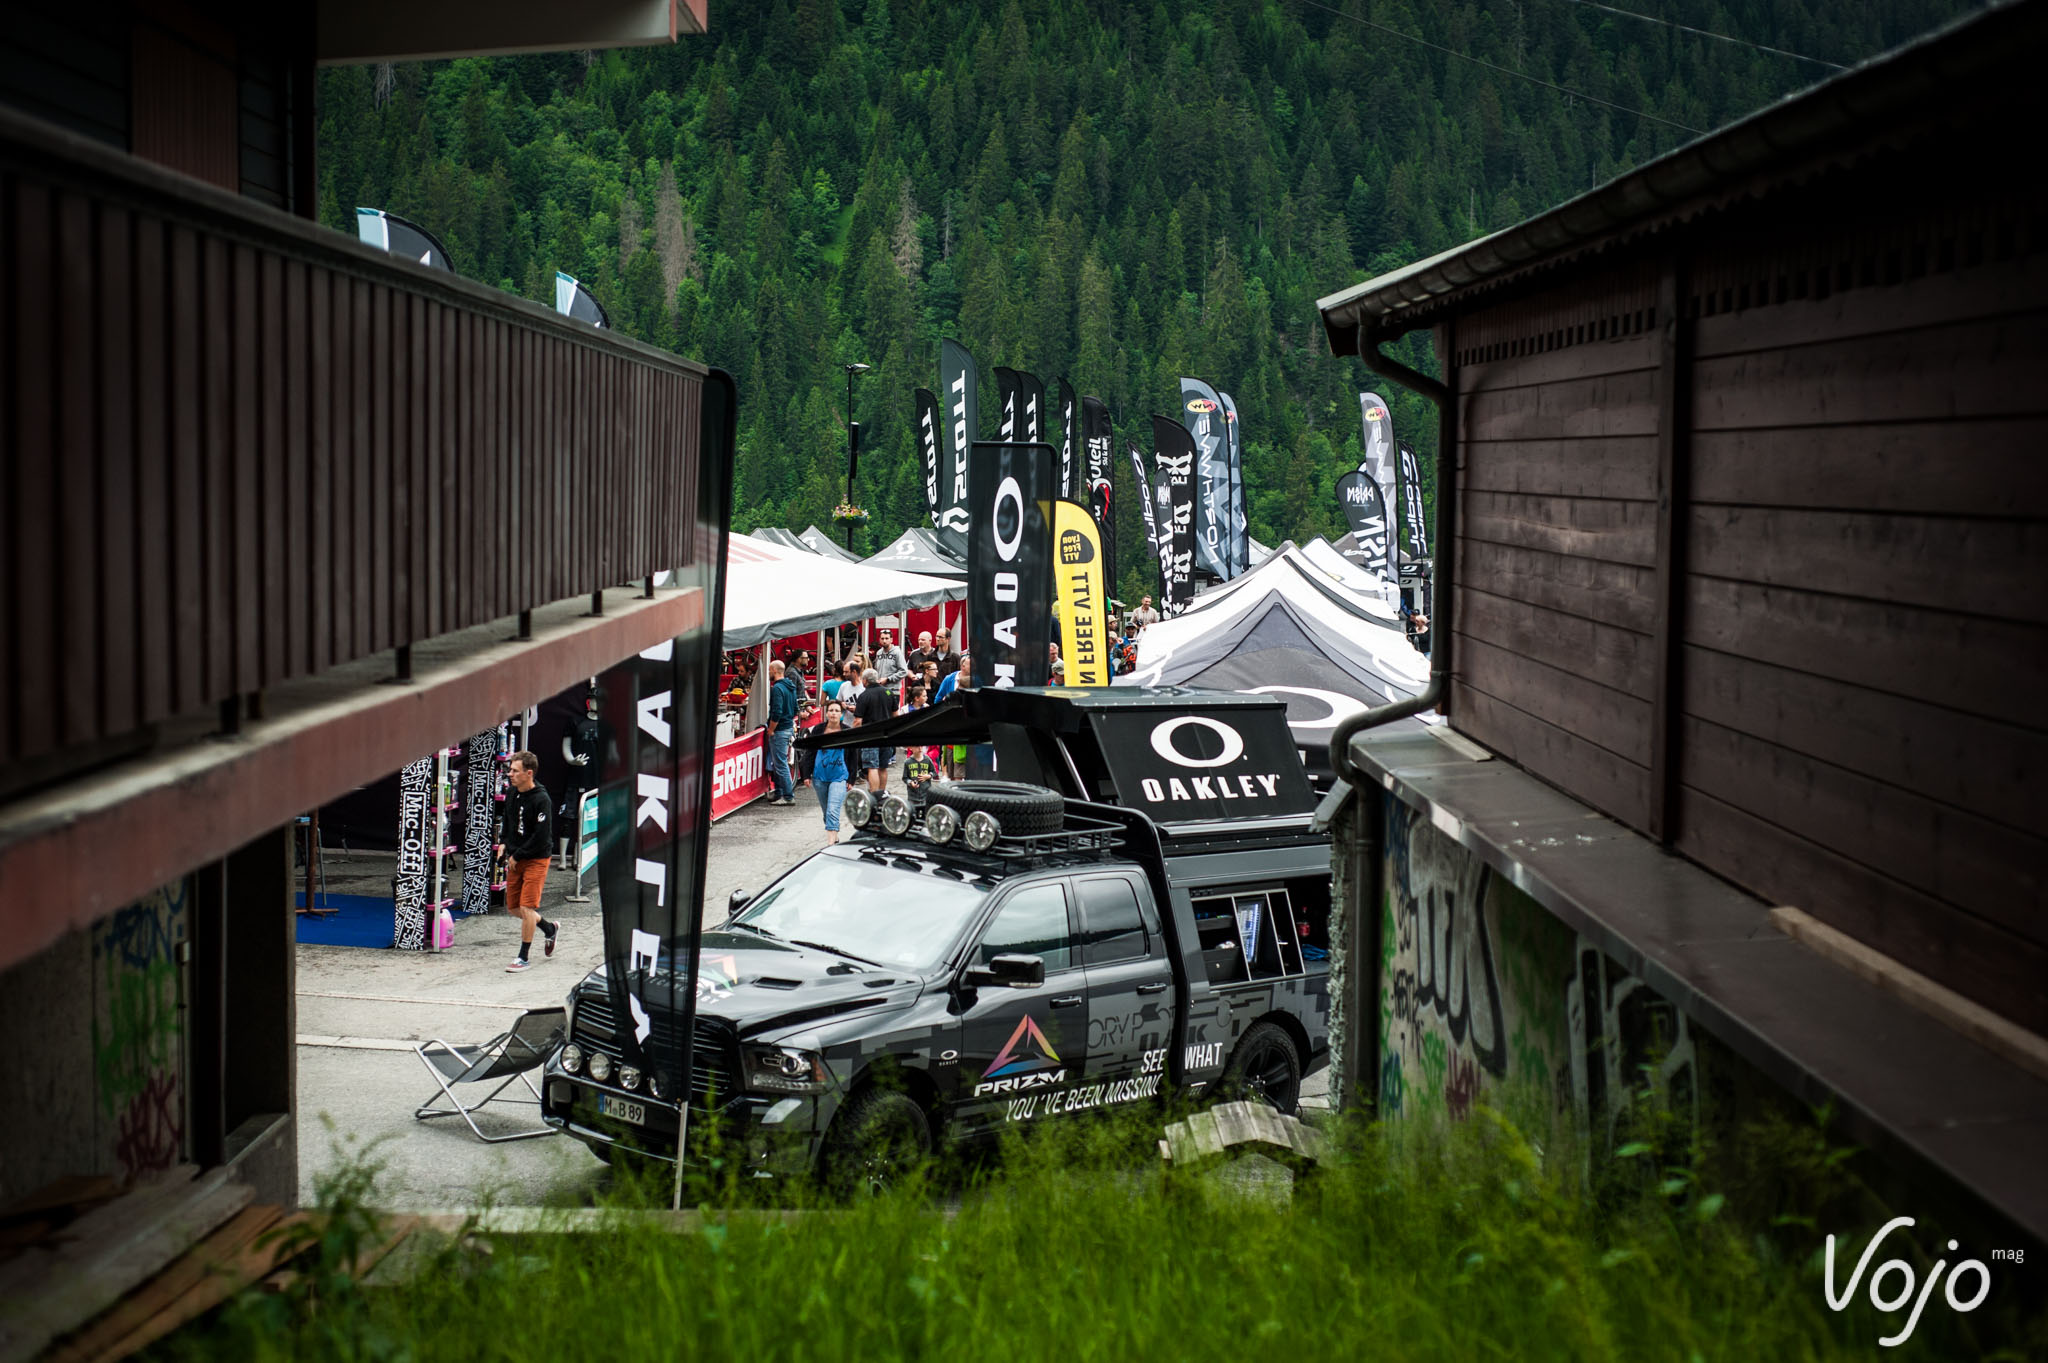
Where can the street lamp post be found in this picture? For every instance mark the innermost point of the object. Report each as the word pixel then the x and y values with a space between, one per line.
pixel 852 442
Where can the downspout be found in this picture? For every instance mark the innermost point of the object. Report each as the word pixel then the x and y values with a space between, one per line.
pixel 1433 694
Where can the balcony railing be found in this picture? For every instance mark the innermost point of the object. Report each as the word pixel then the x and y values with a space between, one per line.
pixel 242 449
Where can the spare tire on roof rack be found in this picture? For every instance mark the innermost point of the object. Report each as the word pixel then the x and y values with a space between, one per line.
pixel 1023 810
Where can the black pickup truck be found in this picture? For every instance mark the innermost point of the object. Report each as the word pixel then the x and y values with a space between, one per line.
pixel 1011 952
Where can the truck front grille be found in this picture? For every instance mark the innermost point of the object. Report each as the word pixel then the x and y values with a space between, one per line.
pixel 714 1078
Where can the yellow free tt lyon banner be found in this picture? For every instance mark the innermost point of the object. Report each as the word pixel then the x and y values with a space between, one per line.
pixel 1077 568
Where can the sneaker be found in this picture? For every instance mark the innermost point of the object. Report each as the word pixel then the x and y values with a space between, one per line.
pixel 549 949
pixel 518 965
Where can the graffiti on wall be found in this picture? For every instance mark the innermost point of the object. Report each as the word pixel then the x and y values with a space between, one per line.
pixel 138 1031
pixel 1487 998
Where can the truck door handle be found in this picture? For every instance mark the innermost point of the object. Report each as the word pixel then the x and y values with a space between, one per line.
pixel 1070 1001
pixel 1153 988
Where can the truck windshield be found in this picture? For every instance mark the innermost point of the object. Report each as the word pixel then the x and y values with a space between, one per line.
pixel 884 914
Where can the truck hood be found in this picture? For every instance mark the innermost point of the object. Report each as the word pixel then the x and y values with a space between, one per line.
pixel 763 986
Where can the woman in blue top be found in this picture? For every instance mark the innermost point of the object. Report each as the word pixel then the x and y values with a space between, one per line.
pixel 828 774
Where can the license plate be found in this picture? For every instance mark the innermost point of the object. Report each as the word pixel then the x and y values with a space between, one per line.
pixel 636 1113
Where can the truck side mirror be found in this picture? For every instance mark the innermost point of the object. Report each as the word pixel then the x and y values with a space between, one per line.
pixel 1010 970
pixel 737 901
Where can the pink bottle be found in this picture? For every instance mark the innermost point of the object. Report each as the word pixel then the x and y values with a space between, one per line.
pixel 444 930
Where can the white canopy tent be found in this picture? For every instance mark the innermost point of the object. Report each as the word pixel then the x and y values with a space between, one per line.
pixel 774 592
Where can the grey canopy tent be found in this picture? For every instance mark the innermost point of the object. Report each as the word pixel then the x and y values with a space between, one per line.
pixel 775 534
pixel 818 542
pixel 917 550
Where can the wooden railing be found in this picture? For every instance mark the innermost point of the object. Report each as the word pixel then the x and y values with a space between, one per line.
pixel 241 448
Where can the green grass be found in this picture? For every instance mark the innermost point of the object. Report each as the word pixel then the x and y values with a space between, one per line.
pixel 1466 1243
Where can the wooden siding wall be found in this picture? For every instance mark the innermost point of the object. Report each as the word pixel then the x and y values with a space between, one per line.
pixel 243 450
pixel 1853 696
pixel 1863 730
pixel 1556 546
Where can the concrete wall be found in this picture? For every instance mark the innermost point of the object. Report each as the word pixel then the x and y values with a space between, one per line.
pixel 96 1062
pixel 1484 997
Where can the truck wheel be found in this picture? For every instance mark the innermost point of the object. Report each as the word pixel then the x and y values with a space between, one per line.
pixel 1265 1069
pixel 876 1141
pixel 1023 810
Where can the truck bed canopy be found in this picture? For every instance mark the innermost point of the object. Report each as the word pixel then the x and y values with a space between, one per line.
pixel 1180 756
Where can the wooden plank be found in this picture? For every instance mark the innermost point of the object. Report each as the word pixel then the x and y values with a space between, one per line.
pixel 1605 780
pixel 1978 467
pixel 106 1336
pixel 2014 286
pixel 1615 594
pixel 31 549
pixel 1977 959
pixel 217 465
pixel 1598 405
pixel 153 502
pixel 243 532
pixel 405 545
pixel 187 471
pixel 273 461
pixel 1616 658
pixel 1673 481
pixel 1620 355
pixel 381 362
pixel 1987 368
pixel 321 504
pixel 297 454
pixel 1988 869
pixel 114 358
pixel 1979 766
pixel 76 715
pixel 420 515
pixel 1615 720
pixel 2026 1049
pixel 1983 667
pixel 1622 467
pixel 1974 566
pixel 362 469
pixel 1613 531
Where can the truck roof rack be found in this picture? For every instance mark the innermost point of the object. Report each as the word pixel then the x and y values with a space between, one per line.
pixel 1078 834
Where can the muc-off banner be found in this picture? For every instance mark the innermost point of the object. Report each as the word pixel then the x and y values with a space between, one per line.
pixel 927 404
pixel 1147 502
pixel 389 232
pixel 1009 392
pixel 1031 412
pixel 1230 762
pixel 416 798
pixel 1239 535
pixel 481 759
pixel 1009 562
pixel 1201 412
pixel 1360 497
pixel 1411 495
pixel 1070 441
pixel 1176 456
pixel 573 300
pixel 1078 566
pixel 960 396
pixel 656 717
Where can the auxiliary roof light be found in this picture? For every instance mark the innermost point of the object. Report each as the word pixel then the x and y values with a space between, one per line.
pixel 941 823
pixel 982 830
pixel 895 816
pixel 858 807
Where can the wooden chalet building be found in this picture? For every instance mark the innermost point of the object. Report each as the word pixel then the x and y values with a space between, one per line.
pixel 255 473
pixel 1746 500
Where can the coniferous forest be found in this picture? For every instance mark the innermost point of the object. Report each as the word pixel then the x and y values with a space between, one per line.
pixel 1117 193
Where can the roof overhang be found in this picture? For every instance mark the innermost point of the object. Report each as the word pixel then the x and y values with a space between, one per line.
pixel 1907 94
pixel 405 30
pixel 78 852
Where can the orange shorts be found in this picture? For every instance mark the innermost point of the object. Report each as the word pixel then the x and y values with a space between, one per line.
pixel 523 881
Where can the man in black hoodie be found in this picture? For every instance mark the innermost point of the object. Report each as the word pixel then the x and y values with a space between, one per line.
pixel 524 825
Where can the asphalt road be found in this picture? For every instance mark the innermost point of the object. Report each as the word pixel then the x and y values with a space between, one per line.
pixel 361 1011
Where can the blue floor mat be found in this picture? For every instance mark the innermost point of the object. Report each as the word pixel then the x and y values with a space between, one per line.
pixel 359 920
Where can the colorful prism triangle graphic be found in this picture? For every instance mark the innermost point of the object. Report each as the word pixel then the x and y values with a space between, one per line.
pixel 1008 1061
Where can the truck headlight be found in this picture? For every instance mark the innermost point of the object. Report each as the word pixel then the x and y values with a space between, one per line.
pixel 572 1059
pixel 630 1078
pixel 784 1069
pixel 600 1066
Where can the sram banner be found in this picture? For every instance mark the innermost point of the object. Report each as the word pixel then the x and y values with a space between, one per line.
pixel 1226 762
pixel 1009 562
pixel 739 773
pixel 1078 571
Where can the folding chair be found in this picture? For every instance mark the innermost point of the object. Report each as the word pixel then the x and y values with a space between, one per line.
pixel 508 1057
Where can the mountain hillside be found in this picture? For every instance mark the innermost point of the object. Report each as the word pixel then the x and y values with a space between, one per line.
pixel 1112 192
